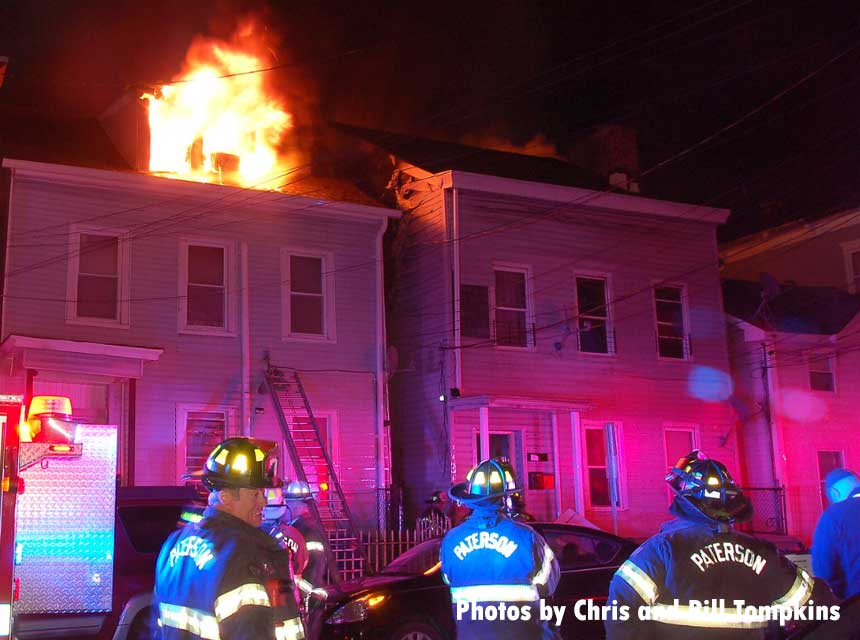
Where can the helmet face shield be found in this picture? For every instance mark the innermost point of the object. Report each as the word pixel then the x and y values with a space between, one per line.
pixel 241 463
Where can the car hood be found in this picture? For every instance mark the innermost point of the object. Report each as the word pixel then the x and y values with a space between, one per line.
pixel 353 587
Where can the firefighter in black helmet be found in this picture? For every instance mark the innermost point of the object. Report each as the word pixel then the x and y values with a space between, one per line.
pixel 698 559
pixel 223 578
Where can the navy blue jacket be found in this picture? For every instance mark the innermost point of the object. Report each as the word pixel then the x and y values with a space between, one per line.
pixel 491 559
pixel 212 579
pixel 696 558
pixel 836 547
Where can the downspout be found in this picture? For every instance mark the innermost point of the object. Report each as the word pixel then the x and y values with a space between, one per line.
pixel 455 230
pixel 777 439
pixel 380 368
pixel 245 340
pixel 6 256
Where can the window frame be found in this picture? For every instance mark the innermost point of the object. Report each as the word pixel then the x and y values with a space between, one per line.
pixel 607 296
pixel 329 320
pixel 622 476
pixel 816 356
pixel 123 318
pixel 685 318
pixel 231 428
pixel 230 285
pixel 851 279
pixel 825 502
pixel 526 270
pixel 693 429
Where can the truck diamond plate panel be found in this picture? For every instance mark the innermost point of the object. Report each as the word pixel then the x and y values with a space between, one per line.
pixel 65 538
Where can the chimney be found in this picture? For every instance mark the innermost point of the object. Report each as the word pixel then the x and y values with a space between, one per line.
pixel 126 122
pixel 611 151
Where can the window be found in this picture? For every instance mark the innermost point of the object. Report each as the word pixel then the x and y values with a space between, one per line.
pixel 206 278
pixel 822 372
pixel 474 311
pixel 678 442
pixel 851 255
pixel 592 312
pixel 580 550
pixel 198 429
pixel 511 313
pixel 97 290
pixel 827 462
pixel 308 295
pixel 672 339
pixel 501 446
pixel 596 469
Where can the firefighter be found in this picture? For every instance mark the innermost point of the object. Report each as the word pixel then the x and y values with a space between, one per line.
pixel 698 559
pixel 298 497
pixel 836 542
pixel 220 578
pixel 497 569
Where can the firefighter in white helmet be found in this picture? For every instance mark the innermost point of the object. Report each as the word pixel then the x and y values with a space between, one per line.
pixel 223 578
pixel 298 496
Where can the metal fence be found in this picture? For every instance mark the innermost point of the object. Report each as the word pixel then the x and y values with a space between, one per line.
pixel 768 510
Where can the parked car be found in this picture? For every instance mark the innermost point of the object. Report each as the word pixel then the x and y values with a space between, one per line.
pixel 407 600
pixel 145 516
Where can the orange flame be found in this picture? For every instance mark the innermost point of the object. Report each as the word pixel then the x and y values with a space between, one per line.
pixel 211 128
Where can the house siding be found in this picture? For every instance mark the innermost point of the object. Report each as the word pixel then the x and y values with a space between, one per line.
pixel 206 369
pixel 633 387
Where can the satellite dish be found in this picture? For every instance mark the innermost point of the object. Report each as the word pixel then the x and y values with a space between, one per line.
pixel 770 288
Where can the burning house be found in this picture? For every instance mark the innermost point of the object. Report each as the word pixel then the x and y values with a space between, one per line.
pixel 203 283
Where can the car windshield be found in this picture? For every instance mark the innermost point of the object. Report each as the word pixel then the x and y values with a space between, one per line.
pixel 415 561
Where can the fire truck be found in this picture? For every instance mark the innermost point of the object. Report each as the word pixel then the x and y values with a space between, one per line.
pixel 57 511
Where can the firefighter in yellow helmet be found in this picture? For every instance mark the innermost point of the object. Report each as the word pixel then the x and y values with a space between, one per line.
pixel 223 578
pixel 698 559
pixel 491 561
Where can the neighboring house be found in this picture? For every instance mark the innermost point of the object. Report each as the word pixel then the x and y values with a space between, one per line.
pixel 155 303
pixel 793 327
pixel 528 313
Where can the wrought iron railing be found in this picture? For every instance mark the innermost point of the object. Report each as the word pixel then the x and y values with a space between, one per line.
pixel 768 510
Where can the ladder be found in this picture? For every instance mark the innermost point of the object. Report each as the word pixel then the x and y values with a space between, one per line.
pixel 312 464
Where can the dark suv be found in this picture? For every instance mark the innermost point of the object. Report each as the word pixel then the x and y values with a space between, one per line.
pixel 145 516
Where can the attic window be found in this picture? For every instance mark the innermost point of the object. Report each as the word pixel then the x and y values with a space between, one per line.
pixel 822 372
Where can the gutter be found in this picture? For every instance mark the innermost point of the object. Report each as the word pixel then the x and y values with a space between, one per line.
pixel 380 369
pixel 245 340
pixel 455 230
pixel 5 291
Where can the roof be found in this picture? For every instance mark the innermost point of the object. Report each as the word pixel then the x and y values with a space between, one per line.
pixel 59 139
pixel 815 310
pixel 435 156
pixel 331 189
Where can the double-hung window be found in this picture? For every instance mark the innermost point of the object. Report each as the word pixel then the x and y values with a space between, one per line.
pixel 199 428
pixel 205 283
pixel 672 333
pixel 594 334
pixel 308 295
pixel 851 255
pixel 511 314
pixel 97 289
pixel 597 467
pixel 822 371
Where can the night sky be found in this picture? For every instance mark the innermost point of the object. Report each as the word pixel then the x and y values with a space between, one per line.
pixel 756 101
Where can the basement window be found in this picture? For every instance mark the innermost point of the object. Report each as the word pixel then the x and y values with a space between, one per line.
pixel 97 289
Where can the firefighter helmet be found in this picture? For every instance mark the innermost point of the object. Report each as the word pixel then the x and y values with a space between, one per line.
pixel 241 463
pixel 709 487
pixel 298 490
pixel 840 484
pixel 489 481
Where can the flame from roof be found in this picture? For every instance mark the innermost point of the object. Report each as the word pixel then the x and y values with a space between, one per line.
pixel 204 124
